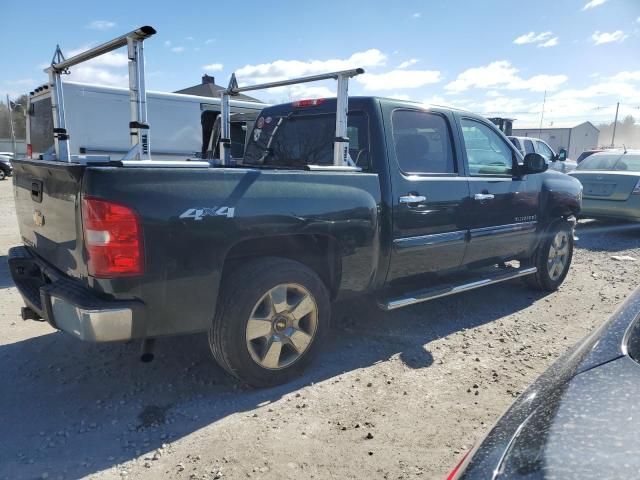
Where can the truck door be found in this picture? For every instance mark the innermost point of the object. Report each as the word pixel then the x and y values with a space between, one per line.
pixel 503 208
pixel 429 193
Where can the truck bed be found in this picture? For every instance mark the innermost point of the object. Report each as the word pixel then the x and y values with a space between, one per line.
pixel 192 219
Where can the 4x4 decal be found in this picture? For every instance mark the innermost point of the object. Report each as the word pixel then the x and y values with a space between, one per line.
pixel 201 212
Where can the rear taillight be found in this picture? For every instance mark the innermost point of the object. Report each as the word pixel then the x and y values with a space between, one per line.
pixel 308 103
pixel 636 189
pixel 29 150
pixel 113 239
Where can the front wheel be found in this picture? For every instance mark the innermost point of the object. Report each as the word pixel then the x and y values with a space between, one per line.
pixel 2 175
pixel 271 317
pixel 552 258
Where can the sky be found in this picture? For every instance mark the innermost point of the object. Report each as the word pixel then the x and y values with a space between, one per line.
pixel 496 58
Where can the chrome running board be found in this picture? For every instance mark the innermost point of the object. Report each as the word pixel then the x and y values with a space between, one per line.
pixel 411 298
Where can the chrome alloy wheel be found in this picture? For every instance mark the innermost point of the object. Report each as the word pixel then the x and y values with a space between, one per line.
pixel 282 326
pixel 558 255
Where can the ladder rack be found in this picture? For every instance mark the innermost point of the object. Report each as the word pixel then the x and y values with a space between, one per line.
pixel 341 141
pixel 138 126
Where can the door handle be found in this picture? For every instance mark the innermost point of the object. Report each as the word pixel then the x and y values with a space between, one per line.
pixel 483 196
pixel 411 198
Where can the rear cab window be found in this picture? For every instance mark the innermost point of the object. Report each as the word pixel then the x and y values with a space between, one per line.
pixel 40 125
pixel 615 162
pixel 293 139
pixel 422 142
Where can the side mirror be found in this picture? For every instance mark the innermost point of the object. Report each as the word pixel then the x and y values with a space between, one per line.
pixel 534 163
pixel 562 155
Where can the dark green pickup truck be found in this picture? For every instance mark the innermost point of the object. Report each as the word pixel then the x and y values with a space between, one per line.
pixel 256 252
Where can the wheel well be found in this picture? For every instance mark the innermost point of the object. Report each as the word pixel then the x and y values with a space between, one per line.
pixel 318 252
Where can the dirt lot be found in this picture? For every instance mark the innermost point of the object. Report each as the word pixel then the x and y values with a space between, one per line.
pixel 397 396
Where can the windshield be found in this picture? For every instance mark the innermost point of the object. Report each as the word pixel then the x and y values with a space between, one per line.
pixel 608 161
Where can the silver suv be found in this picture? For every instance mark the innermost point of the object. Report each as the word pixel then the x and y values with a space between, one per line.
pixel 556 161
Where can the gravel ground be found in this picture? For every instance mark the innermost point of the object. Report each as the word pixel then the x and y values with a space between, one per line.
pixel 394 395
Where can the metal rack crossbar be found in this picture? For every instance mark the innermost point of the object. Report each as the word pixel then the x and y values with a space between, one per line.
pixel 138 126
pixel 341 141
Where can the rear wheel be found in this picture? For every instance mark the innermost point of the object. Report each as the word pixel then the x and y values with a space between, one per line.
pixel 270 320
pixel 2 175
pixel 552 258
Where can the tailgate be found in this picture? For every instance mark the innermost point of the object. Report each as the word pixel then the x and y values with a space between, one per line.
pixel 47 202
pixel 607 186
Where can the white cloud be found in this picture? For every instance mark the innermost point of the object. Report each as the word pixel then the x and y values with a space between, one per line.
pixel 213 67
pixel 209 41
pixel 107 69
pixel 626 76
pixel 600 38
pixel 103 76
pixel 284 69
pixel 101 25
pixel 167 43
pixel 552 42
pixel 494 93
pixel 593 4
pixel 416 15
pixel 178 49
pixel 408 63
pixel 190 39
pixel 532 37
pixel 503 74
pixel 109 59
pixel 398 79
pixel 443 102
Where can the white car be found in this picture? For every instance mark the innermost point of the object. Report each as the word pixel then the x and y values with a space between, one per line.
pixel 556 161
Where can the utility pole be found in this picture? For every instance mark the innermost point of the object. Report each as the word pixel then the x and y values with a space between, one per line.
pixel 13 133
pixel 544 101
pixel 615 123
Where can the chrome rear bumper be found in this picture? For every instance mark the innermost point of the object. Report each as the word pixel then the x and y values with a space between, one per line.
pixel 70 306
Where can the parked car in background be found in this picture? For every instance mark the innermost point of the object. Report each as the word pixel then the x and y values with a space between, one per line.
pixel 6 169
pixel 611 182
pixel 556 161
pixel 579 420
pixel 585 154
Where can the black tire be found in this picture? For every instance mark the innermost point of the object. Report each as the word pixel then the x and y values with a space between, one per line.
pixel 2 175
pixel 239 296
pixel 543 279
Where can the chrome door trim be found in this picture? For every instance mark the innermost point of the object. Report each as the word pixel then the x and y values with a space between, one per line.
pixel 403 244
pixel 503 229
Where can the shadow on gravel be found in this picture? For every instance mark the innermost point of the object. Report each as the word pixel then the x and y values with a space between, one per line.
pixel 5 276
pixel 73 409
pixel 608 236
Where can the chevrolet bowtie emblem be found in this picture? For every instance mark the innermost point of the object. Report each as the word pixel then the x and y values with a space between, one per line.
pixel 38 218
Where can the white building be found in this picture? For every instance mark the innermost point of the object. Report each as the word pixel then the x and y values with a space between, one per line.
pixel 574 138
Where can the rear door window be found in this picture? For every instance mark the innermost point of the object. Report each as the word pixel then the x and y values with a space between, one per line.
pixel 422 142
